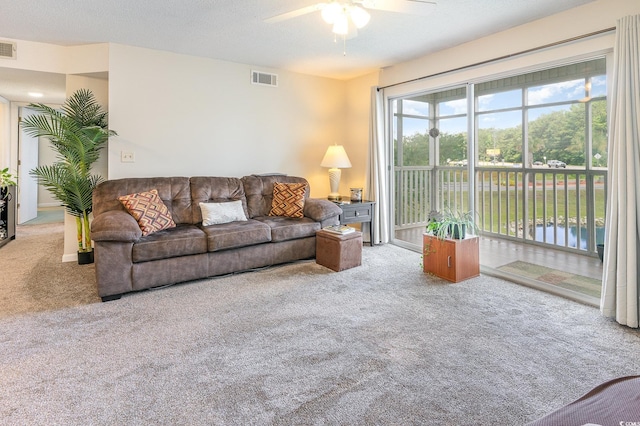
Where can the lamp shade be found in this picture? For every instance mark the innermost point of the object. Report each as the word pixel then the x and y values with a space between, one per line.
pixel 336 157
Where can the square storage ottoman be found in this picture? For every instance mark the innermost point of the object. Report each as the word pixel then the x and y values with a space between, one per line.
pixel 339 252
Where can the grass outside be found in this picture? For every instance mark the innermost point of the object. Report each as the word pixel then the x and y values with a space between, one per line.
pixel 562 201
pixel 500 199
pixel 500 211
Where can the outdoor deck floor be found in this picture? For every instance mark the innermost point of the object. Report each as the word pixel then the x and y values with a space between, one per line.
pixel 496 253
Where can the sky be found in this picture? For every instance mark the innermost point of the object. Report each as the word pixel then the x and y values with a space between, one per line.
pixel 566 91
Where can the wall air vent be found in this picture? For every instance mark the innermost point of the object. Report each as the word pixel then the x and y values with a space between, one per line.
pixel 264 78
pixel 7 50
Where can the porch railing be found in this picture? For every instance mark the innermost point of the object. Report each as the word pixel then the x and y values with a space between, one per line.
pixel 412 201
pixel 563 208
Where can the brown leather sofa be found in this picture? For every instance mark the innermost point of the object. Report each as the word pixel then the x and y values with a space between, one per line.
pixel 126 261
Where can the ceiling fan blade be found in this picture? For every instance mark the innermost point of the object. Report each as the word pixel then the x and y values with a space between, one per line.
pixel 410 7
pixel 295 13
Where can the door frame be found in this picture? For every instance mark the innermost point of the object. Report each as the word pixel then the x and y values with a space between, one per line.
pixel 26 185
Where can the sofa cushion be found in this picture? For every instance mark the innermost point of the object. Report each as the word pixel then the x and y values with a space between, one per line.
pixel 236 234
pixel 149 210
pixel 208 189
pixel 115 225
pixel 173 191
pixel 258 190
pixel 288 199
pixel 216 213
pixel 320 209
pixel 287 228
pixel 182 240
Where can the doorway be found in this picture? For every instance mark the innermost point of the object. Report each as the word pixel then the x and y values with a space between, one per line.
pixel 430 160
pixel 28 159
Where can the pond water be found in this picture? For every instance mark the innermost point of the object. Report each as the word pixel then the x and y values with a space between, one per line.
pixel 542 230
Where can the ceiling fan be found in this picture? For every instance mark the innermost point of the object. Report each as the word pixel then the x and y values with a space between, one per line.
pixel 347 16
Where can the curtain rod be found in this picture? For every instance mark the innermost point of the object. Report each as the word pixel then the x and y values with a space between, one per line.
pixel 511 55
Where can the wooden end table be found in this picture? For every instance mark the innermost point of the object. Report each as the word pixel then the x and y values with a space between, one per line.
pixel 358 212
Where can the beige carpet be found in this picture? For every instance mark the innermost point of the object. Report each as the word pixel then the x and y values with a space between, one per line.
pixel 33 277
pixel 382 343
pixel 297 344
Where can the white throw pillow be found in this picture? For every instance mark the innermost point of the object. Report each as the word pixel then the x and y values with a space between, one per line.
pixel 216 213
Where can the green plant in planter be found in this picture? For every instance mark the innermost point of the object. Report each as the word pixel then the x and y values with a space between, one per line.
pixel 433 222
pixel 77 133
pixel 6 180
pixel 454 224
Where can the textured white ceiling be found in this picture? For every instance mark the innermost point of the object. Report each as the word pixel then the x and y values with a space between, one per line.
pixel 234 30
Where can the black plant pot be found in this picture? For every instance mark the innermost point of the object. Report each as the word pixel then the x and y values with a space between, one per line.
pixel 85 257
pixel 600 248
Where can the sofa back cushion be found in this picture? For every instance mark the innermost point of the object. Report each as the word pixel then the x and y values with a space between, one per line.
pixel 148 209
pixel 206 189
pixel 173 191
pixel 259 192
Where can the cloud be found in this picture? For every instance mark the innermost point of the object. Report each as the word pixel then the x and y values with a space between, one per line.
pixel 458 106
pixel 412 111
pixel 485 100
pixel 566 90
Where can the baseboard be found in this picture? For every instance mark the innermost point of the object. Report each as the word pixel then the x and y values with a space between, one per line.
pixel 45 205
pixel 70 257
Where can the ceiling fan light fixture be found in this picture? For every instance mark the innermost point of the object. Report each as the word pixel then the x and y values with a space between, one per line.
pixel 341 25
pixel 359 16
pixel 331 12
pixel 344 17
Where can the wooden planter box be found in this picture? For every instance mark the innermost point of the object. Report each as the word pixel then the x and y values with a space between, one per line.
pixel 453 260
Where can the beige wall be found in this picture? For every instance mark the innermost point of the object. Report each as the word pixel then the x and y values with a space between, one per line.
pixel 5 134
pixel 596 16
pixel 100 88
pixel 356 140
pixel 59 59
pixel 183 115
pixel 54 59
pixel 187 116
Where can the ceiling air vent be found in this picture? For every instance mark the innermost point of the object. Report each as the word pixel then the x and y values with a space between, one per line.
pixel 7 50
pixel 264 79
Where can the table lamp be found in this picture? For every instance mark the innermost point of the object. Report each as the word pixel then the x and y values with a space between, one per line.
pixel 336 159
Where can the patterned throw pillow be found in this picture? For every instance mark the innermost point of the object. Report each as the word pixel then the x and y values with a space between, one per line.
pixel 288 199
pixel 149 210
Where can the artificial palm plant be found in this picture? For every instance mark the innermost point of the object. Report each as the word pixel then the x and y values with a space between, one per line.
pixel 77 132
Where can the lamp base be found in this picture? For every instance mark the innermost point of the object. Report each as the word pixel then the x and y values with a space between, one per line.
pixel 334 184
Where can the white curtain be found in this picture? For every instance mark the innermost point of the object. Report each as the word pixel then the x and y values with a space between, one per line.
pixel 377 176
pixel 620 279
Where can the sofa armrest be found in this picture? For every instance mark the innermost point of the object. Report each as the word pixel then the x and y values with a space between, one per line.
pixel 321 210
pixel 115 226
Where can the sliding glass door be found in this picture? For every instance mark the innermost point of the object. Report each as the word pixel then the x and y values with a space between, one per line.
pixel 526 153
pixel 430 153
